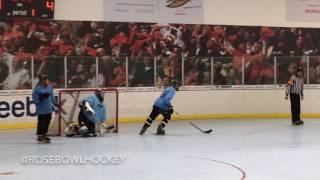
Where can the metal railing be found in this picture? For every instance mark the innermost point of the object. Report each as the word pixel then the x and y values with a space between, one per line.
pixel 146 73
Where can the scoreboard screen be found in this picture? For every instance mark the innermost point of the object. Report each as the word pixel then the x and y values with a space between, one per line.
pixel 38 9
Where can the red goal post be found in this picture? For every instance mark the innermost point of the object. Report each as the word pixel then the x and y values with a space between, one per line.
pixel 68 101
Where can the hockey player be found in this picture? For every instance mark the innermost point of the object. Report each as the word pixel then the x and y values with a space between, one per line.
pixel 162 106
pixel 45 102
pixel 92 110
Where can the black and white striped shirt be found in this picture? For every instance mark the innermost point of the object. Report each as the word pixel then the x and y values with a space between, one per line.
pixel 295 85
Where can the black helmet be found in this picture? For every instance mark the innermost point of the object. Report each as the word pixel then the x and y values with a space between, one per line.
pixel 42 76
pixel 99 94
pixel 300 69
pixel 175 85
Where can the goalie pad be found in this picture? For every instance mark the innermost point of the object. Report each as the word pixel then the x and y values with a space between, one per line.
pixel 70 130
pixel 73 129
pixel 83 130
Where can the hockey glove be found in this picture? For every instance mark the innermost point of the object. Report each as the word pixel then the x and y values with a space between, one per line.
pixel 88 108
pixel 55 108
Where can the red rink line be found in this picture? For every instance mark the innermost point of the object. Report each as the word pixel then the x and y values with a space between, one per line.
pixel 222 162
pixel 7 173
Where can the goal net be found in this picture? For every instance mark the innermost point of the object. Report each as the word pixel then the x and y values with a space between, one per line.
pixel 69 108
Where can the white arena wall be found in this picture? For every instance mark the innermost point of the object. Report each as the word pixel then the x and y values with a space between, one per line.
pixel 250 13
pixel 221 12
pixel 213 104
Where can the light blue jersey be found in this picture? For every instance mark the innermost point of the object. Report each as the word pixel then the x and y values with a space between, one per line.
pixel 164 100
pixel 98 107
pixel 43 106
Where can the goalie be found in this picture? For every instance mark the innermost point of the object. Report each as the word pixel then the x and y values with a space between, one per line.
pixel 92 111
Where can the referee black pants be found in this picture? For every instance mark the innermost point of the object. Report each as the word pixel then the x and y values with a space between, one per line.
pixel 295 107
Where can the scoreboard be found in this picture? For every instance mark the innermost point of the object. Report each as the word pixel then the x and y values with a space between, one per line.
pixel 37 9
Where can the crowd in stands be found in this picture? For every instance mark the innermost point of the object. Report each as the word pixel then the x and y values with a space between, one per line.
pixel 96 53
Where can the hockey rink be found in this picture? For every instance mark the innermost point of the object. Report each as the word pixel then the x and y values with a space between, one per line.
pixel 251 149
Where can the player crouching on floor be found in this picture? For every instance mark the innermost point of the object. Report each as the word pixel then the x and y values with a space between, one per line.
pixel 162 106
pixel 92 111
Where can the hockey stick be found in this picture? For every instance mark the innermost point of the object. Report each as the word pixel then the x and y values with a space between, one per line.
pixel 195 126
pixel 201 130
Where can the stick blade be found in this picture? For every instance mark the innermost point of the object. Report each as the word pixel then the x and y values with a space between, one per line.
pixel 203 131
pixel 208 131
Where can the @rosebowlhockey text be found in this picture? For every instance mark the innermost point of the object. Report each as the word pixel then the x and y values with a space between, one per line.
pixel 72 160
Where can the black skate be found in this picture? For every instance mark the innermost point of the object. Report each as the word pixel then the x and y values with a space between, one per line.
pixel 90 135
pixel 111 129
pixel 46 138
pixel 160 131
pixel 300 122
pixel 297 123
pixel 143 130
pixel 43 140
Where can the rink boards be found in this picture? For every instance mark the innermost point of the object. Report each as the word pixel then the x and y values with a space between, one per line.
pixel 17 109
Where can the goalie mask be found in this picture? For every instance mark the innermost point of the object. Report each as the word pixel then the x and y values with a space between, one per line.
pixel 99 94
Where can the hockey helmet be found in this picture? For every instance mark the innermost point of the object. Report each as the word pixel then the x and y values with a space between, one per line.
pixel 99 94
pixel 175 85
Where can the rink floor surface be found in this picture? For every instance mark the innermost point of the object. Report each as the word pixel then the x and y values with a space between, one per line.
pixel 253 149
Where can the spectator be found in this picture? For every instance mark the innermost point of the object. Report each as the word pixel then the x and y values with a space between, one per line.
pixel 165 41
pixel 19 78
pixel 232 79
pixel 79 79
pixel 255 65
pixel 93 81
pixel 219 78
pixel 118 78
pixel 164 69
pixel 100 52
pixel 7 44
pixel 144 74
pixel 192 77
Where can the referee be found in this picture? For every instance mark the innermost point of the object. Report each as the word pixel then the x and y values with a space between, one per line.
pixel 295 90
